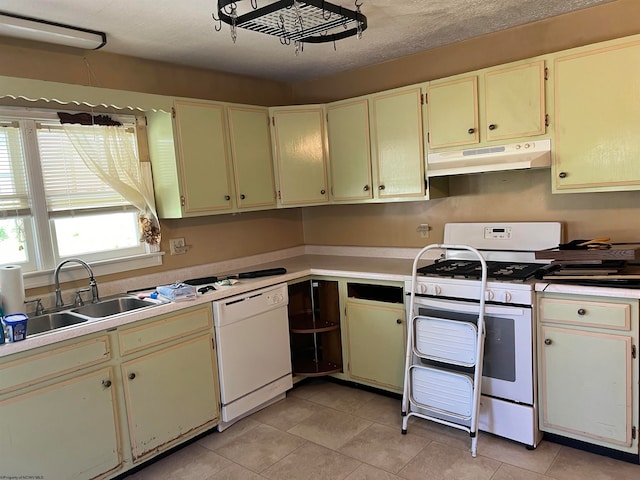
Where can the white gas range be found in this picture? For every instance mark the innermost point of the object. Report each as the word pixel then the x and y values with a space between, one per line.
pixel 448 288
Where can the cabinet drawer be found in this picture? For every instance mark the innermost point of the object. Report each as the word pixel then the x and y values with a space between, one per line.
pixel 165 328
pixel 36 368
pixel 606 313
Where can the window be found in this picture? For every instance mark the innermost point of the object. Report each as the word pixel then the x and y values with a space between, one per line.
pixel 52 205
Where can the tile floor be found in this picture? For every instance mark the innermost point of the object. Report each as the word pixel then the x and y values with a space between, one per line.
pixel 324 430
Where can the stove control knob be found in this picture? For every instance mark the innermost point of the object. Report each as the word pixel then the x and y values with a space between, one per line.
pixel 488 295
pixel 421 288
pixel 507 297
pixel 438 290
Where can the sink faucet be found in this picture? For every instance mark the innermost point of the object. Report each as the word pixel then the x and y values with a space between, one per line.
pixel 95 297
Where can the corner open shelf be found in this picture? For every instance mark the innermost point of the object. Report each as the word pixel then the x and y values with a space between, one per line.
pixel 314 328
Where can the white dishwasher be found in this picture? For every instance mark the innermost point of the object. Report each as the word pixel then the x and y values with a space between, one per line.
pixel 254 359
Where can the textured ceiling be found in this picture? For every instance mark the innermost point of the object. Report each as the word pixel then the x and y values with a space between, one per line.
pixel 183 32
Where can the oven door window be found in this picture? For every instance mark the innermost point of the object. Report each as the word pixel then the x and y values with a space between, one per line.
pixel 499 345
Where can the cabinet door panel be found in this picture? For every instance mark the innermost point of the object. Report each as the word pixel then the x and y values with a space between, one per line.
pixel 349 150
pixel 67 430
pixel 299 147
pixel 597 120
pixel 586 386
pixel 397 121
pixel 204 162
pixel 515 101
pixel 252 159
pixel 157 408
pixel 453 113
pixel 376 343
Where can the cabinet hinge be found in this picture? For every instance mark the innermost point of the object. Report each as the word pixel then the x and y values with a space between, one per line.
pixel 213 344
pixel 173 112
pixel 273 121
pixel 634 352
pixel 546 120
pixel 279 196
pixel 326 115
pixel 182 201
pixel 546 73
pixel 429 138
pixel 633 433
pixel 424 99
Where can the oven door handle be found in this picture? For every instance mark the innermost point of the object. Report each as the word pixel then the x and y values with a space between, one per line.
pixel 465 307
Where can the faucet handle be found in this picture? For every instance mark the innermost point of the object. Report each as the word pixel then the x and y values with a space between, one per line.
pixel 39 308
pixel 78 302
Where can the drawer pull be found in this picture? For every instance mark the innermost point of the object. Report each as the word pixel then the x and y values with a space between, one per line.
pixel 581 311
pixel 548 341
pixel 106 383
pixel 399 321
pixel 131 376
pixel 471 131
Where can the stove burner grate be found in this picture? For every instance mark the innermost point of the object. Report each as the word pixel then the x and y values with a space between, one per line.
pixel 514 271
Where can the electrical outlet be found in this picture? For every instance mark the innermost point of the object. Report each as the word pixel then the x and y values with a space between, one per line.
pixel 177 246
pixel 423 230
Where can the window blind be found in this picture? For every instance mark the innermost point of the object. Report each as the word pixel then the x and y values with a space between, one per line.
pixel 14 192
pixel 70 186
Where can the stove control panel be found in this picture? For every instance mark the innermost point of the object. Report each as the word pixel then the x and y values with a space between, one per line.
pixel 497 233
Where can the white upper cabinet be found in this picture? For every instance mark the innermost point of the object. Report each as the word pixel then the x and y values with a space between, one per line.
pixel 397 143
pixel 487 106
pixel 252 158
pixel 299 148
pixel 350 150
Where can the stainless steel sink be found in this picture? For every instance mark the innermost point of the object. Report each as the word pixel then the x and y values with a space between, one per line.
pixel 51 321
pixel 114 306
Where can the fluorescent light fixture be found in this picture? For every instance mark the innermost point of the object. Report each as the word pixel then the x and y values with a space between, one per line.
pixel 49 32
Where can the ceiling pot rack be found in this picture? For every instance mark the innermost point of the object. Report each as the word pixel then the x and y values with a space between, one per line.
pixel 311 21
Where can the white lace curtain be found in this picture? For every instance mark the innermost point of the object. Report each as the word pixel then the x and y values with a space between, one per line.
pixel 119 167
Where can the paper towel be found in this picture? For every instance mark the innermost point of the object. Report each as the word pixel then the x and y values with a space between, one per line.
pixel 12 289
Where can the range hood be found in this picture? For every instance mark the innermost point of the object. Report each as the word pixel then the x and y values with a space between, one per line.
pixel 514 156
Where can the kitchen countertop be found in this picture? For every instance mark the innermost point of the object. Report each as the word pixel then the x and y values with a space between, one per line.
pixel 619 292
pixel 371 268
pixel 346 262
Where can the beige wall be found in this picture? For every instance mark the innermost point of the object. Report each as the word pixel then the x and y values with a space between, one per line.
pixel 507 196
pixel 510 196
pixel 100 69
pixel 610 20
pixel 501 196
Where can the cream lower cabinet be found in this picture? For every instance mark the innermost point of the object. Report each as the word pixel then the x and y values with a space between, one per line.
pixel 170 380
pixel 588 370
pixel 376 335
pixel 597 118
pixel 58 417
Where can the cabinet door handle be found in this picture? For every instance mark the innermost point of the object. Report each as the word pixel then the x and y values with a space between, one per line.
pixel 131 376
pixel 227 197
pixel 471 131
pixel 366 188
pixel 548 341
pixel 242 196
pixel 323 191
pixel 106 383
pixel 399 321
pixel 493 126
pixel 381 187
pixel 562 174
pixel 581 311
